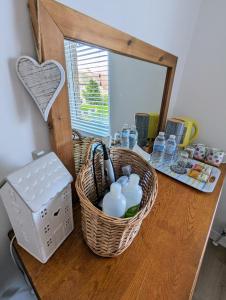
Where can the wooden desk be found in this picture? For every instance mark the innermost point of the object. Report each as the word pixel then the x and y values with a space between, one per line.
pixel 162 263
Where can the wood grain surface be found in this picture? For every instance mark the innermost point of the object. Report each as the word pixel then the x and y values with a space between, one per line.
pixel 78 26
pixel 162 263
pixel 59 122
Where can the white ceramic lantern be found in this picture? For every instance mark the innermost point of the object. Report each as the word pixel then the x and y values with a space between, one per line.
pixel 38 201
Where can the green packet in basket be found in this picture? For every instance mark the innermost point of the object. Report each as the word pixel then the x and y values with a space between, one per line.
pixel 132 211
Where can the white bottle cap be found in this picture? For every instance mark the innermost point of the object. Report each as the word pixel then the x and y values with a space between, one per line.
pixel 161 133
pixel 123 180
pixel 115 188
pixel 134 178
pixel 172 136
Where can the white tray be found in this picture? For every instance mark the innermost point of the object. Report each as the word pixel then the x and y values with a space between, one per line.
pixel 206 187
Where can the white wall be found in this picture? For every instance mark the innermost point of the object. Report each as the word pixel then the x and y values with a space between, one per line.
pixel 135 86
pixel 21 127
pixel 203 85
pixel 166 24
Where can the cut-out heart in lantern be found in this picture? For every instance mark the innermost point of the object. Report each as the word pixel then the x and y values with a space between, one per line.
pixel 42 81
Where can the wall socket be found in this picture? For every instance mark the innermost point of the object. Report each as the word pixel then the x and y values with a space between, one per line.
pixel 37 154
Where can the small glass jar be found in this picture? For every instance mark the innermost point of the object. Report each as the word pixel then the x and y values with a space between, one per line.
pixel 182 158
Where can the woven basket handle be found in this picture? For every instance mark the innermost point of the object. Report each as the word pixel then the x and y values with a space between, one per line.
pixel 89 149
pixel 76 135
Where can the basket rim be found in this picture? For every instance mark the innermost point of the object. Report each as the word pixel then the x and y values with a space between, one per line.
pixel 121 221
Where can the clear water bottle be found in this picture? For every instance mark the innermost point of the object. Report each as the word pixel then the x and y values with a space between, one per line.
pixel 170 150
pixel 158 148
pixel 125 136
pixel 133 136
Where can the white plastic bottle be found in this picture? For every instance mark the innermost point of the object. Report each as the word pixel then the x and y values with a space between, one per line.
pixel 132 191
pixel 125 136
pixel 114 202
pixel 158 148
pixel 170 150
pixel 123 180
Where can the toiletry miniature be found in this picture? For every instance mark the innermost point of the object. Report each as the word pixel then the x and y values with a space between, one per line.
pixel 132 191
pixel 114 202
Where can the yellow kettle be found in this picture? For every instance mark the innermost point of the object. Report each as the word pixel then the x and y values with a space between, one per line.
pixel 191 130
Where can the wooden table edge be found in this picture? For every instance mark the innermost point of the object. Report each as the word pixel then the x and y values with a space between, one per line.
pixel 76 206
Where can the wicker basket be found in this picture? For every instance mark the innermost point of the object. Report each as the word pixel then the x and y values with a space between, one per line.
pixel 81 146
pixel 109 236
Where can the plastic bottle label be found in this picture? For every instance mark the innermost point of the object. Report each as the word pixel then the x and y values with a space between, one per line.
pixel 158 148
pixel 132 140
pixel 170 149
pixel 125 134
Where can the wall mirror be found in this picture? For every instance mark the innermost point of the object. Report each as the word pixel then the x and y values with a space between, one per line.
pixel 111 75
pixel 106 90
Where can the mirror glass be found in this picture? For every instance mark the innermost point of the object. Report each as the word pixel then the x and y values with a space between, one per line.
pixel 106 90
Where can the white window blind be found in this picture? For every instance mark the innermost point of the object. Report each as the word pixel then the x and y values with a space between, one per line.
pixel 87 75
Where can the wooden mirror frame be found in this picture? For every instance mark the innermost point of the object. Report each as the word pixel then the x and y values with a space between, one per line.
pixel 52 22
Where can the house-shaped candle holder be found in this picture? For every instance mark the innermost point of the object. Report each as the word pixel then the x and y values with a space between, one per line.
pixel 38 201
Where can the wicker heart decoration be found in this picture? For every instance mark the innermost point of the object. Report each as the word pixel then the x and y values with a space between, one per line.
pixel 42 81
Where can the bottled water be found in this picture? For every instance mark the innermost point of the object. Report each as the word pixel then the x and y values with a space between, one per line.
pixel 170 150
pixel 125 136
pixel 158 148
pixel 133 135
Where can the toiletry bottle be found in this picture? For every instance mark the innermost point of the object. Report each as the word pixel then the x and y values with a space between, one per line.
pixel 133 136
pixel 158 148
pixel 123 180
pixel 132 191
pixel 170 150
pixel 114 202
pixel 125 136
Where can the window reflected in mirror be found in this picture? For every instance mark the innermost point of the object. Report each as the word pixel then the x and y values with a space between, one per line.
pixel 106 90
pixel 88 88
